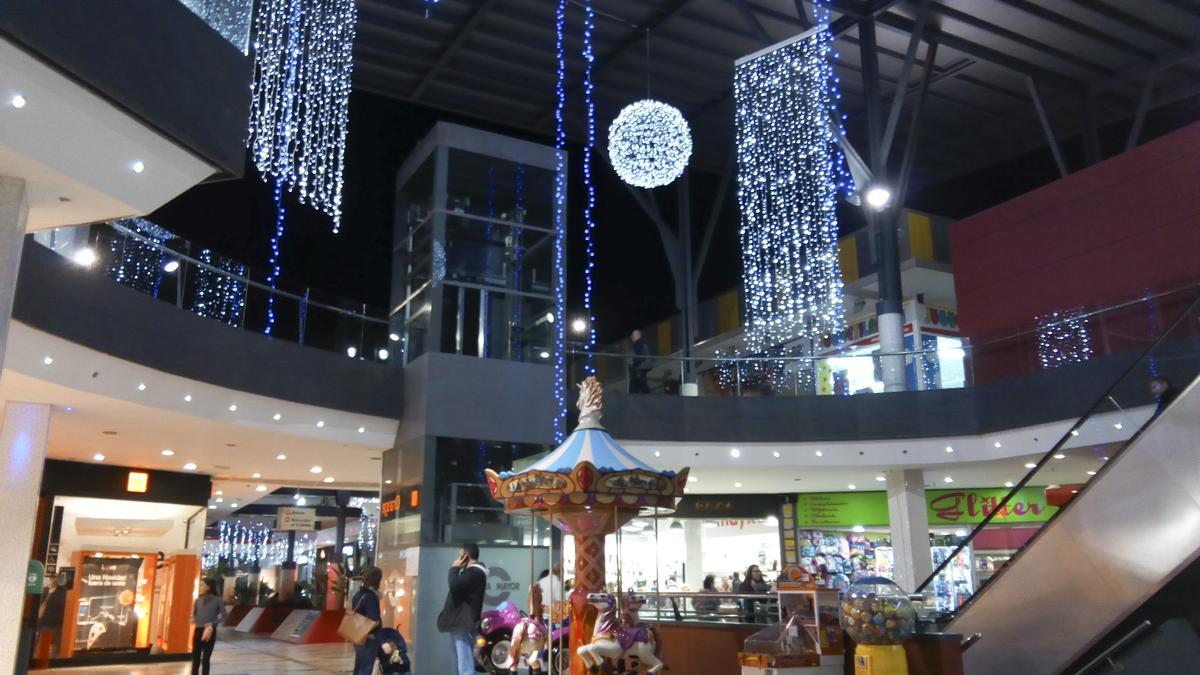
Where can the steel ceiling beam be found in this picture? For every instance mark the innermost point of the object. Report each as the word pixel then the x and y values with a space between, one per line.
pixel 452 48
pixel 802 14
pixel 752 21
pixel 914 41
pixel 1035 9
pixel 1047 129
pixel 1142 71
pixel 1139 115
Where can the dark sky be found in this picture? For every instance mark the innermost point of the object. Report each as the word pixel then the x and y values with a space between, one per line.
pixel 633 284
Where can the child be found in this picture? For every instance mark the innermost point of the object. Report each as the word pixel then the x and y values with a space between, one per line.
pixel 393 652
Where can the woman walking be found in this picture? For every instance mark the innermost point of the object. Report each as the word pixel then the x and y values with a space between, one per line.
pixel 207 613
pixel 366 603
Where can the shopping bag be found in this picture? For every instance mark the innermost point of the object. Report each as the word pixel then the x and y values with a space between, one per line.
pixel 355 627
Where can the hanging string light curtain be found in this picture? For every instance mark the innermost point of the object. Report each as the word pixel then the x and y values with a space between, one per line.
pixel 300 97
pixel 560 224
pixel 789 173
pixel 1063 338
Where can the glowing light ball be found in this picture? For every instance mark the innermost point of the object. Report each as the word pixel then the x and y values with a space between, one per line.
pixel 649 144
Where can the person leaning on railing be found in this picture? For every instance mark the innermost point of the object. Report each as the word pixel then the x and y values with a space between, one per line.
pixel 753 583
pixel 706 607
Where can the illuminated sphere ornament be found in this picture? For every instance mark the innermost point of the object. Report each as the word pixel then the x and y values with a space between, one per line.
pixel 649 144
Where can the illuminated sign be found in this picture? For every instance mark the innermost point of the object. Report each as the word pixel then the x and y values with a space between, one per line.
pixel 138 481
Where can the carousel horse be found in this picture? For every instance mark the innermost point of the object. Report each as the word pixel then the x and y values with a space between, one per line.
pixel 614 641
pixel 529 636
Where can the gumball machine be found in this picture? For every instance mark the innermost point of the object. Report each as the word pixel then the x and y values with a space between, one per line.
pixel 879 617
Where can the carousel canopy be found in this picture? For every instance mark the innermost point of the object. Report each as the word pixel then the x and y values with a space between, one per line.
pixel 593 445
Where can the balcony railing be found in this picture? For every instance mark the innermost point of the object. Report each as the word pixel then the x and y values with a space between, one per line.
pixel 149 259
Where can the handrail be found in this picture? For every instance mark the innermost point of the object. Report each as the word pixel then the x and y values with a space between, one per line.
pixel 1062 441
pixel 154 243
pixel 1116 646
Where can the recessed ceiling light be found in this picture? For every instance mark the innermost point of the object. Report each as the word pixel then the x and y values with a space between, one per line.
pixel 362 430
pixel 261 488
pixel 98 457
pixel 220 492
pixel 1091 473
pixel 949 448
pixel 387 482
pixel 1009 483
pixel 1059 455
pixel 852 486
pixel 232 407
pixel 48 360
pixel 84 257
pixel 1104 459
pixel 544 355
pixel 281 457
pixel 329 479
pixel 881 479
pixel 997 444
pixel 737 484
pixel 190 466
pixel 167 452
pixel 141 386
pixel 212 506
pixel 776 454
pixel 735 453
pixel 256 475
pixel 220 499
pixel 1074 432
pixel 352 351
pixel 320 423
pixel 383 354
pixel 820 454
pixel 17 101
pixel 858 528
pixel 171 266
pixel 233 505
pixel 187 397
pixel 316 469
pixel 960 533
pixel 658 453
pixel 947 479
pixel 138 166
pixel 1118 426
pixel 1030 465
pixel 301 501
pixel 393 337
pixel 693 479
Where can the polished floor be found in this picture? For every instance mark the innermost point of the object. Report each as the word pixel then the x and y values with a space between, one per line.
pixel 236 654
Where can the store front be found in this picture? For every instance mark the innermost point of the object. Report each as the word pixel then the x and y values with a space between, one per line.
pixel 721 535
pixel 121 550
pixel 841 537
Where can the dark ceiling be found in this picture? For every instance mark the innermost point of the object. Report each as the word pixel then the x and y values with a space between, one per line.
pixel 495 60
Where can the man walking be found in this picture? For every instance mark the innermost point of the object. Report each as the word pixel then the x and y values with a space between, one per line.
pixel 464 604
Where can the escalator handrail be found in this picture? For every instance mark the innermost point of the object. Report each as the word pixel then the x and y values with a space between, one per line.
pixel 1000 507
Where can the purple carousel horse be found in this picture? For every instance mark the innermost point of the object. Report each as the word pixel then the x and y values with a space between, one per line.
pixel 615 639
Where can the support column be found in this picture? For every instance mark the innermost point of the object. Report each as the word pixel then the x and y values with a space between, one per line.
pixel 22 456
pixel 13 212
pixel 589 578
pixel 909 527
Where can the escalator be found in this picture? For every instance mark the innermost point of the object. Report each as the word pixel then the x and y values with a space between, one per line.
pixel 1075 597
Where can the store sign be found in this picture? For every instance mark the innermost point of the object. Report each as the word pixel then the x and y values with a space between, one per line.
pixel 729 506
pixel 945 507
pixel 138 481
pixel 290 518
pixel 841 509
pixel 954 507
pixel 35 576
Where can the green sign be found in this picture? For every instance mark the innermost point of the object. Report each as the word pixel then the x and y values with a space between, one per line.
pixel 841 509
pixel 34 576
pixel 971 506
pixel 967 506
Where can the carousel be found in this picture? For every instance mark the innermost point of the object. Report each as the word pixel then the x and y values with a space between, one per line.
pixel 588 488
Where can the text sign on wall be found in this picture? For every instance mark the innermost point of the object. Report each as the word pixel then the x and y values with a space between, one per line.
pixel 841 509
pixel 290 518
pixel 945 507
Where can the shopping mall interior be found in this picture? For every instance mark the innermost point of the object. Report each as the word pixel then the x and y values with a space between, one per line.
pixel 734 337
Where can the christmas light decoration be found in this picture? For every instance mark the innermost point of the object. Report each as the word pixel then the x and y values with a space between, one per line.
pixel 220 289
pixel 649 144
pixel 300 97
pixel 230 18
pixel 560 226
pixel 589 205
pixel 789 173
pixel 1063 338
pixel 274 261
pixel 137 254
pixel 518 255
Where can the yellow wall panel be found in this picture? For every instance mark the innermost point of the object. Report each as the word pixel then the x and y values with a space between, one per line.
pixel 848 259
pixel 664 337
pixel 727 312
pixel 920 236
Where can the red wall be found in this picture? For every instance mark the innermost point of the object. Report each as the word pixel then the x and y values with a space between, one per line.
pixel 1107 234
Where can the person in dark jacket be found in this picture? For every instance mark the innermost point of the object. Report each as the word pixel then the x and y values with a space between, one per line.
pixel 207 613
pixel 366 603
pixel 464 605
pixel 752 583
pixel 639 364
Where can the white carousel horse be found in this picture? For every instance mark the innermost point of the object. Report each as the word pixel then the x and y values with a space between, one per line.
pixel 529 636
pixel 612 640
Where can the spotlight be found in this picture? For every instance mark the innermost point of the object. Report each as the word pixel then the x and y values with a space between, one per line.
pixel 362 430
pixel 316 469
pixel 878 197
pixel 544 355
pixel 328 479
pixel 281 457
pixel 735 453
pixel 947 479
pixel 1030 465
pixel 852 486
pixel 737 484
pixel 881 479
pixel 382 354
pixel 17 101
pixel 48 360
pixel 775 454
pixel 187 398
pixel 276 417
pixel 320 423
pixel 171 266
pixel 1009 483
pixel 858 528
pixel 84 257
pixel 393 337
pixel 190 466
pixel 138 166
pixel 141 386
pixel 351 352
pixel 98 457
pixel 232 407
pixel 550 317
pixel 261 488
pixel 167 452
pixel 949 448
pixel 256 475
pixel 579 326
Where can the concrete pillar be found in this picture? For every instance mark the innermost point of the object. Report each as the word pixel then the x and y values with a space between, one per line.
pixel 693 540
pixel 891 343
pixel 909 526
pixel 13 212
pixel 22 455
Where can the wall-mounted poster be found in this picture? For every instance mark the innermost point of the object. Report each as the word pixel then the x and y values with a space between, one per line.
pixel 107 619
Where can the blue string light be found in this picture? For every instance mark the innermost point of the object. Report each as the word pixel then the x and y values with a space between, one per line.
pixel 484 297
pixel 275 264
pixel 560 226
pixel 303 316
pixel 589 223
pixel 518 305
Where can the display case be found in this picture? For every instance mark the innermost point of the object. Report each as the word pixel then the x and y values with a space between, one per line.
pixel 476 235
pixel 809 632
pixel 956 583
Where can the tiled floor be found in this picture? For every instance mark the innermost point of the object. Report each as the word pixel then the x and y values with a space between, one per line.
pixel 237 654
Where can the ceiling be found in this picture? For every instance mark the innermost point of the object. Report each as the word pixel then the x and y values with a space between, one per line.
pixel 495 60
pixel 76 152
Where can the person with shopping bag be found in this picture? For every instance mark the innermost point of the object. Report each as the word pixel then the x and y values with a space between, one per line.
pixel 362 623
